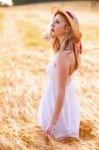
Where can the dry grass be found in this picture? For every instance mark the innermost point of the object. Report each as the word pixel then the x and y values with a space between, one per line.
pixel 90 33
pixel 23 59
pixel 33 36
pixel 1 20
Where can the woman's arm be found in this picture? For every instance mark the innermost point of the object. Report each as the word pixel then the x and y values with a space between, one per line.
pixel 62 72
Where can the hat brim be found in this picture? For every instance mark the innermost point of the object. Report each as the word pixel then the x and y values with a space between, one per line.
pixel 73 23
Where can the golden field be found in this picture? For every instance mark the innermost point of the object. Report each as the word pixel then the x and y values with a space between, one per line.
pixel 23 59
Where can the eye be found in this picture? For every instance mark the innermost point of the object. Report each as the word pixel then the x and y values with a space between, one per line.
pixel 57 21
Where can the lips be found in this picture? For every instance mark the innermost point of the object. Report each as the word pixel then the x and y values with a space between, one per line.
pixel 52 29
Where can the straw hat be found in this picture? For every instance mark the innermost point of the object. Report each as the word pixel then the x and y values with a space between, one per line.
pixel 72 20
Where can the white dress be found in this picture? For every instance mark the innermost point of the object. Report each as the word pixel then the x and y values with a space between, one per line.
pixel 69 118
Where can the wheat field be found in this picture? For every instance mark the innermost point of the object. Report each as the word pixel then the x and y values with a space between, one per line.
pixel 23 58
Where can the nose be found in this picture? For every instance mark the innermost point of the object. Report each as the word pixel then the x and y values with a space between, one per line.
pixel 52 25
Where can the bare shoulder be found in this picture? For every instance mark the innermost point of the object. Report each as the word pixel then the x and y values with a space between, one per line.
pixel 64 55
pixel 67 53
pixel 62 59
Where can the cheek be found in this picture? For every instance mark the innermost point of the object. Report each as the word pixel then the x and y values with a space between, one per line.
pixel 60 29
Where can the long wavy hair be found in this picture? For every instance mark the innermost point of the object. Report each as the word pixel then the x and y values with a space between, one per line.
pixel 68 43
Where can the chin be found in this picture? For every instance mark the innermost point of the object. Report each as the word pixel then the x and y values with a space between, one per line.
pixel 54 35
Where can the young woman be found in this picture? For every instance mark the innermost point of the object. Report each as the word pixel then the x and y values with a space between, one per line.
pixel 59 109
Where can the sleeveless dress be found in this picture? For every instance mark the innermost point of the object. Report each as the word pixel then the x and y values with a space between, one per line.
pixel 69 118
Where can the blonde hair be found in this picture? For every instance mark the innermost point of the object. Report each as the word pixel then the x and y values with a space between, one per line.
pixel 68 43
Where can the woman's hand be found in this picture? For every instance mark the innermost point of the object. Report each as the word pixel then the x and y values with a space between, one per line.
pixel 46 36
pixel 49 130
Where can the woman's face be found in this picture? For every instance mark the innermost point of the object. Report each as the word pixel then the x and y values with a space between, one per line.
pixel 58 26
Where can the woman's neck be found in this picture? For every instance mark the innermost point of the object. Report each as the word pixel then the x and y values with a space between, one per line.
pixel 61 39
